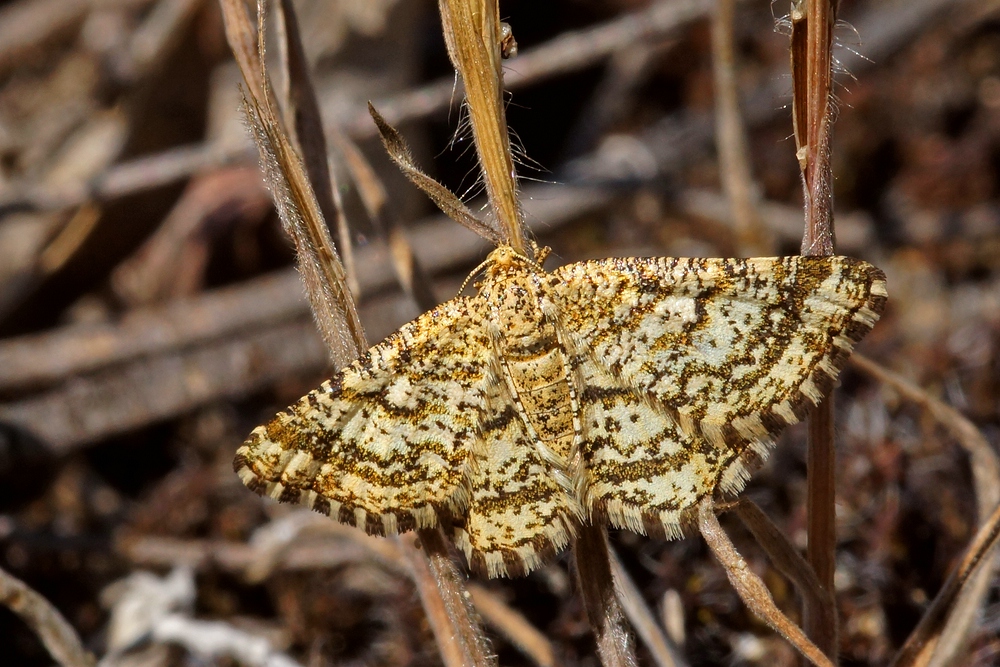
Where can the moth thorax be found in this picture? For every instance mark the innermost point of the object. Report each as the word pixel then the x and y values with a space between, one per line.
pixel 524 327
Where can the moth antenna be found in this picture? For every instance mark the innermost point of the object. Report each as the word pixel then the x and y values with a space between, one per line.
pixel 482 265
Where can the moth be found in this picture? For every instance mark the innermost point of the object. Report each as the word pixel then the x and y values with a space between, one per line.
pixel 617 390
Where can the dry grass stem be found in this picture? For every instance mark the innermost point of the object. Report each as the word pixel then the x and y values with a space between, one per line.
pixel 731 138
pixel 304 121
pixel 597 588
pixel 785 556
pixel 442 197
pixel 59 251
pixel 441 586
pixel 821 551
pixel 326 285
pixel 812 81
pixel 514 626
pixel 58 636
pixel 941 640
pixel 751 589
pixel 664 653
pixel 812 118
pixel 473 35
pixel 407 267
pixel 324 275
pixel 171 263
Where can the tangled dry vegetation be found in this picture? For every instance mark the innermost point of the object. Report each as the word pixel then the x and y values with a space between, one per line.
pixel 150 315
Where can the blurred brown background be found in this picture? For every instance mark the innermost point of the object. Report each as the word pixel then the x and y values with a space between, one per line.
pixel 150 318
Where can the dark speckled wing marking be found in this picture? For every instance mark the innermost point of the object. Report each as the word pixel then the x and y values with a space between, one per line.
pixel 689 367
pixel 385 445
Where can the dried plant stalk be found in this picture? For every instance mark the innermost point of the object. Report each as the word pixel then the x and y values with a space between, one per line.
pixel 663 651
pixel 514 626
pixel 448 604
pixel 442 197
pixel 472 33
pixel 443 593
pixel 596 585
pixel 57 635
pixel 812 118
pixel 731 138
pixel 305 124
pixel 326 281
pixel 812 80
pixel 408 269
pixel 749 586
pixel 784 556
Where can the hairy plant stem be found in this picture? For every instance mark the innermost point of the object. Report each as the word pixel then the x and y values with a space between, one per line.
pixel 596 585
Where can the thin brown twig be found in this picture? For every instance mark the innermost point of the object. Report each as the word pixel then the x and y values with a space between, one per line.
pixel 821 465
pixel 441 586
pixel 812 117
pixel 171 263
pixel 570 51
pixel 408 268
pixel 442 593
pixel 304 120
pixel 942 641
pixel 749 586
pixel 442 197
pixel 597 588
pixel 812 80
pixel 664 653
pixel 731 139
pixel 784 556
pixel 294 196
pixel 57 635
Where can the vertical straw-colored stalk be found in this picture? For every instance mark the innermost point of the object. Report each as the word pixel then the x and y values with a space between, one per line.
pixel 439 583
pixel 731 139
pixel 473 34
pixel 812 79
pixel 472 31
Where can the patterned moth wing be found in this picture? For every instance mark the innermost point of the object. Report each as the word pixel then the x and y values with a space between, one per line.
pixel 688 368
pixel 386 444
pixel 624 388
pixel 431 428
